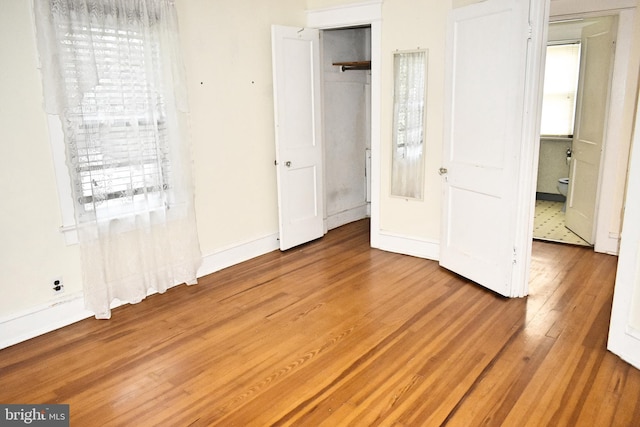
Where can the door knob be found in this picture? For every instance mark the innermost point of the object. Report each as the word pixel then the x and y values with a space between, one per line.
pixel 287 164
pixel 442 171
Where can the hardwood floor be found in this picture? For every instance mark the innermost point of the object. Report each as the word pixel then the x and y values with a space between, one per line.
pixel 335 333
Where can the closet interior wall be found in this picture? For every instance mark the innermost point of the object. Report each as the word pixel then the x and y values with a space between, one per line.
pixel 347 125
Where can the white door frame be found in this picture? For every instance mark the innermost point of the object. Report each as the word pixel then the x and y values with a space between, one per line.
pixel 607 206
pixel 527 181
pixel 608 203
pixel 368 13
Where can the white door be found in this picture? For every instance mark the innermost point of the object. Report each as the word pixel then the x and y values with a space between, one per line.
pixel 296 86
pixel 591 111
pixel 624 331
pixel 484 128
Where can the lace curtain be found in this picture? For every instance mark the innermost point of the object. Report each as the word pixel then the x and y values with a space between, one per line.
pixel 113 74
pixel 408 124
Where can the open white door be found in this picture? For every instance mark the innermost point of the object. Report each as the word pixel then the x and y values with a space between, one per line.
pixel 485 123
pixel 296 87
pixel 624 331
pixel 591 111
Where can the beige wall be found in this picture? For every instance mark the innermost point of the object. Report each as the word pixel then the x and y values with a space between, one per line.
pixel 33 251
pixel 321 4
pixel 227 53
pixel 406 25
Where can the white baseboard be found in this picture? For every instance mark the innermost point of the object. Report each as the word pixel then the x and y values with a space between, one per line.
pixel 237 253
pixel 391 242
pixel 341 218
pixel 626 345
pixel 609 244
pixel 36 321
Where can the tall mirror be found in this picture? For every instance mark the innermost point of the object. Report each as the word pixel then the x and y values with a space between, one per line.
pixel 409 95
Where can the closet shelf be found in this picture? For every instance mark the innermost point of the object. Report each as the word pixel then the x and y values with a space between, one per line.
pixel 353 65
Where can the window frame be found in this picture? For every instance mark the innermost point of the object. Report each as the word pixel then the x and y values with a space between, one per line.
pixel 565 42
pixel 65 181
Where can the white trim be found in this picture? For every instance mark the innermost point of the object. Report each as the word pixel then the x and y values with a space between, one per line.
pixel 628 354
pixel 376 119
pixel 237 253
pixel 528 168
pixel 40 320
pixel 55 315
pixel 421 248
pixel 63 181
pixel 607 240
pixel 345 217
pixel 345 15
pixel 634 333
pixel 366 13
pixel 624 343
pixel 567 7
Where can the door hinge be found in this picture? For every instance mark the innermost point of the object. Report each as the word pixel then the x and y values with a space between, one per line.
pixel 530 32
pixel 515 256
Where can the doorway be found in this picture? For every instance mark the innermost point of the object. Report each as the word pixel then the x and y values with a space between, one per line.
pixel 573 130
pixel 346 106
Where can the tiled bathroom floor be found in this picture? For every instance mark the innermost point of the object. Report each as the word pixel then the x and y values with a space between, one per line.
pixel 548 224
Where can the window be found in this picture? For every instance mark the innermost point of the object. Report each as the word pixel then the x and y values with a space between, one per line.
pixel 560 89
pixel 117 136
pixel 113 81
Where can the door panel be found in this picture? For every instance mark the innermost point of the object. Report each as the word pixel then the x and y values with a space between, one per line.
pixel 591 111
pixel 487 62
pixel 296 81
pixel 624 331
pixel 303 192
pixel 297 112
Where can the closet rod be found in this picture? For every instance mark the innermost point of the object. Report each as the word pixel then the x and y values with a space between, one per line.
pixel 353 65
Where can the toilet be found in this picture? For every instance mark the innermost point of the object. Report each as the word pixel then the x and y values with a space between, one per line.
pixel 563 188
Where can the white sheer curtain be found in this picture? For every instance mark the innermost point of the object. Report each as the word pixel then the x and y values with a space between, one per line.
pixel 408 124
pixel 113 74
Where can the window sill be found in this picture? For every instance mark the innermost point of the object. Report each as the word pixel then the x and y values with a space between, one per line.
pixel 556 138
pixel 70 233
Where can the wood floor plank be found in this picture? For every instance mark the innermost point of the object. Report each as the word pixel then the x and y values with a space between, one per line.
pixel 335 333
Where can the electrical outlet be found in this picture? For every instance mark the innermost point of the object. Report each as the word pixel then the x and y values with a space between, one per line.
pixel 57 285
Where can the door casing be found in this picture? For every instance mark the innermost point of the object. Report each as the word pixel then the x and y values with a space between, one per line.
pixel 361 14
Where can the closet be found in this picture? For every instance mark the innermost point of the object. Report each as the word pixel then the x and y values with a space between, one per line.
pixel 346 88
